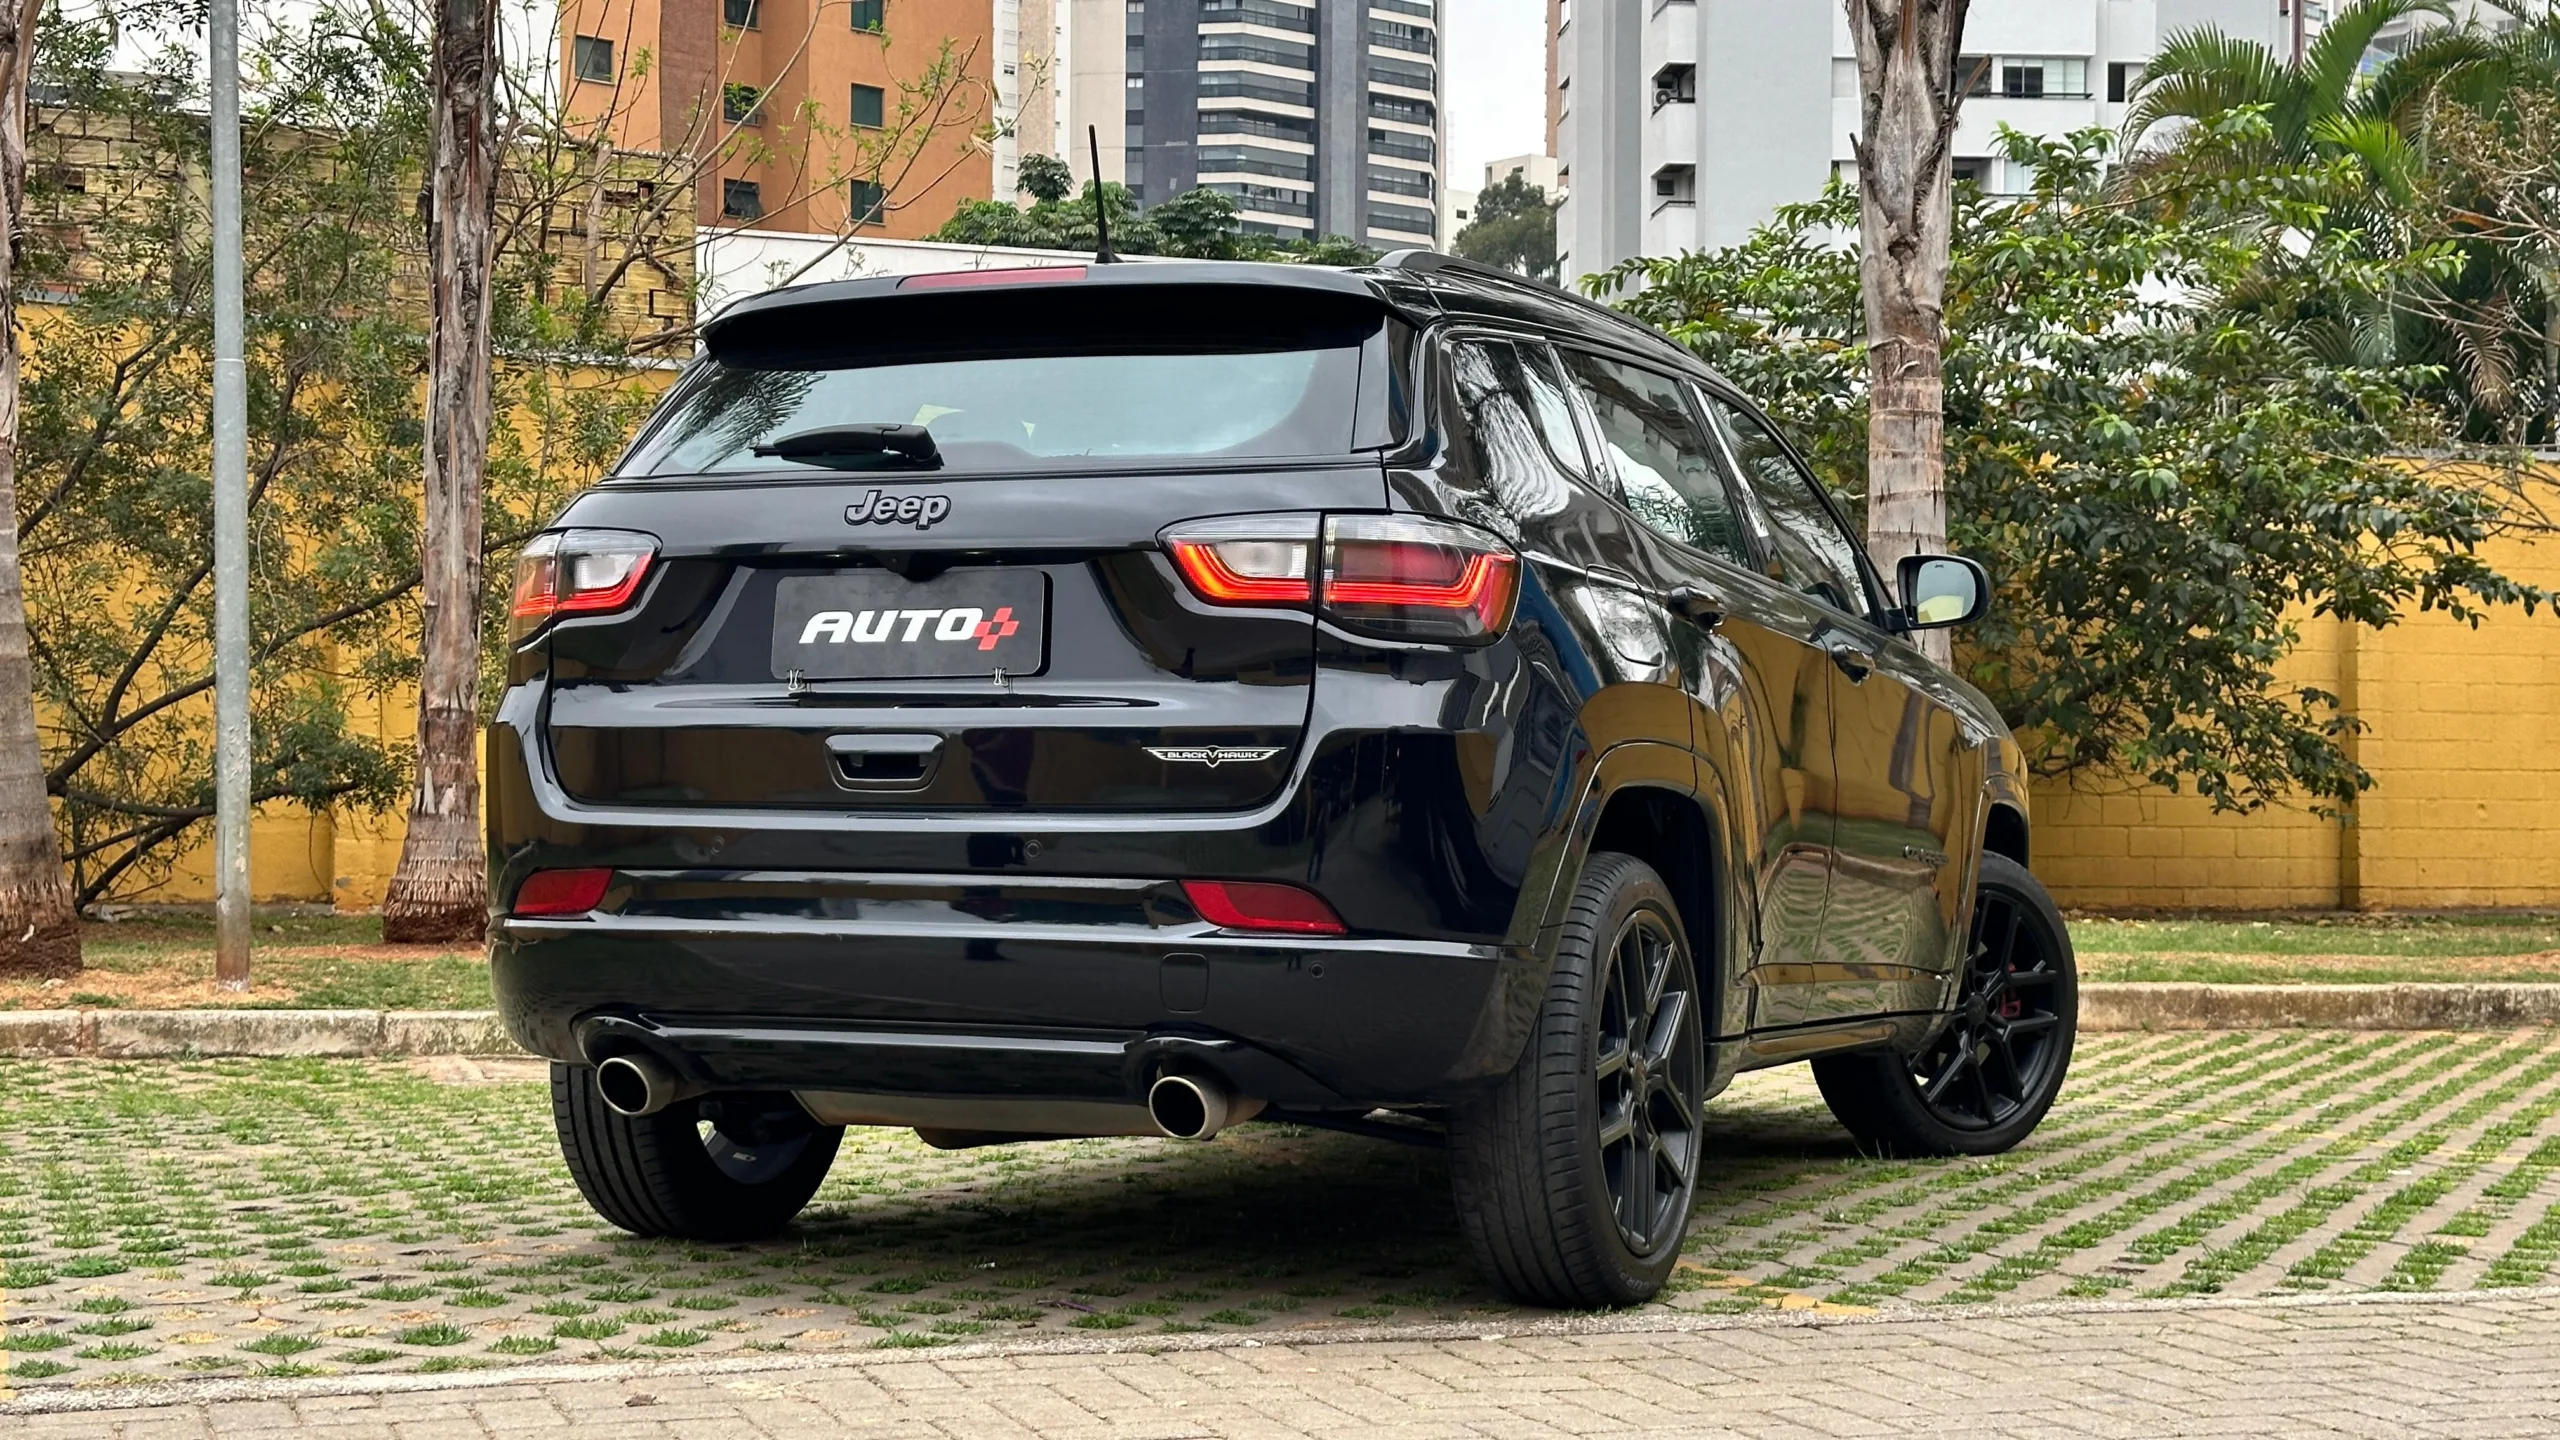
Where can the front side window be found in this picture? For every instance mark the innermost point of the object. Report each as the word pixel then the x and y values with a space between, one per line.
pixel 1814 556
pixel 1019 411
pixel 1518 433
pixel 1664 466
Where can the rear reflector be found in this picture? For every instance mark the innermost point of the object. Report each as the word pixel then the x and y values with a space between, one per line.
pixel 562 892
pixel 1259 905
pixel 576 572
pixel 970 279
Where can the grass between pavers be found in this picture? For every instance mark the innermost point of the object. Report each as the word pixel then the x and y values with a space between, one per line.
pixel 293 1217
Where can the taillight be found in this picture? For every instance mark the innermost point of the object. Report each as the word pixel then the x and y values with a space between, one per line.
pixel 1260 560
pixel 1261 905
pixel 561 892
pixel 1408 577
pixel 576 572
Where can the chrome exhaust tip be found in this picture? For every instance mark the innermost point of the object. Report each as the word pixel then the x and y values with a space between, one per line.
pixel 641 1084
pixel 1196 1107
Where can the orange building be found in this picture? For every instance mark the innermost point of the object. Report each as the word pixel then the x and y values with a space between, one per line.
pixel 822 116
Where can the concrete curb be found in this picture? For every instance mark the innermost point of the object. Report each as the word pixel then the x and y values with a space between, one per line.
pixel 2317 1007
pixel 193 1034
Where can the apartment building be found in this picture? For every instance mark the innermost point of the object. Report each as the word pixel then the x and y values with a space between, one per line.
pixel 795 108
pixel 1318 118
pixel 1682 124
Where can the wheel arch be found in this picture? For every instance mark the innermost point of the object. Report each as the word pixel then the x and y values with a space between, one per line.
pixel 2004 828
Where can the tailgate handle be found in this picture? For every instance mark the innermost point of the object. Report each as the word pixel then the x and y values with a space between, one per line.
pixel 883 762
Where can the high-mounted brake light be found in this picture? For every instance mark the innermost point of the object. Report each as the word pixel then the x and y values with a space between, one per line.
pixel 1408 577
pixel 972 279
pixel 561 892
pixel 576 572
pixel 1261 905
pixel 1265 560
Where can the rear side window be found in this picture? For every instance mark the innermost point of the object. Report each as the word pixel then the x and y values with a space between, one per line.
pixel 1814 556
pixel 1664 464
pixel 1519 426
pixel 1015 411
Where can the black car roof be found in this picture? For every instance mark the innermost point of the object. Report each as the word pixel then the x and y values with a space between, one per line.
pixel 1419 286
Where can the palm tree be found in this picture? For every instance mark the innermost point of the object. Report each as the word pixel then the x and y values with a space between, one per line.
pixel 2202 77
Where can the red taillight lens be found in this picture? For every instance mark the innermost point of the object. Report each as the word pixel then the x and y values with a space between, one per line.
pixel 1406 577
pixel 576 572
pixel 1249 560
pixel 561 892
pixel 1259 905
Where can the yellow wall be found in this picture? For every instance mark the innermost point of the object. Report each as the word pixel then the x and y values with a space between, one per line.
pixel 2462 739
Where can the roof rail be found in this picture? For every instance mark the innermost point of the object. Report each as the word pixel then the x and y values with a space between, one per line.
pixel 1432 262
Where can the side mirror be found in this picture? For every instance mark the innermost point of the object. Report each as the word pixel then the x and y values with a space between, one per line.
pixel 1942 590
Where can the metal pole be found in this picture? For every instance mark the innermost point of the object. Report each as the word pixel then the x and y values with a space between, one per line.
pixel 230 522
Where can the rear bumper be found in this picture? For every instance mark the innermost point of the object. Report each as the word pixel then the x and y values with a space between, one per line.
pixel 1019 1011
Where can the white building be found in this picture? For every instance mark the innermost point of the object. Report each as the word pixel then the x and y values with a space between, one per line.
pixel 1682 124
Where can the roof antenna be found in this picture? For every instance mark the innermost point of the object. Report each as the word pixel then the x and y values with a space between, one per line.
pixel 1101 214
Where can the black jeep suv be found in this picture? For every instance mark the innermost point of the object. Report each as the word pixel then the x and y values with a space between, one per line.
pixel 1137 699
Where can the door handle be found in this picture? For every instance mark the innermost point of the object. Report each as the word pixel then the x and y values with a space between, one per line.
pixel 1855 663
pixel 883 761
pixel 1698 605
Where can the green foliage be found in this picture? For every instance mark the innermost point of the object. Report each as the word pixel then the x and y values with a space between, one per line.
pixel 1514 229
pixel 2150 446
pixel 1044 178
pixel 1198 224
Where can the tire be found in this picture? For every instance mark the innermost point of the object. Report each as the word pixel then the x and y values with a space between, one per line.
pixel 1574 1178
pixel 682 1172
pixel 1984 1081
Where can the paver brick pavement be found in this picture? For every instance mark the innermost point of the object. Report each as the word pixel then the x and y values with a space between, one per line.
pixel 283 1218
pixel 2325 1367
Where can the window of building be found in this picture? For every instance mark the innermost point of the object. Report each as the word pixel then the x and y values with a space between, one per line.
pixel 1387 180
pixel 1246 85
pixel 2123 78
pixel 1259 50
pixel 1974 168
pixel 1675 185
pixel 742 104
pixel 740 14
pixel 865 201
pixel 871 16
pixel 1396 35
pixel 1396 107
pixel 2025 77
pixel 1397 72
pixel 1400 219
pixel 1255 160
pixel 591 58
pixel 1392 142
pixel 1675 85
pixel 1270 14
pixel 870 106
pixel 741 200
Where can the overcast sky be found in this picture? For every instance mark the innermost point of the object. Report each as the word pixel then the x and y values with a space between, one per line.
pixel 1496 79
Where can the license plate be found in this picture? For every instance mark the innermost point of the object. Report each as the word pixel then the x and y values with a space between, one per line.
pixel 878 626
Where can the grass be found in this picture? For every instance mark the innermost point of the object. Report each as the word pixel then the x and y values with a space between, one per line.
pixel 2339 949
pixel 164 961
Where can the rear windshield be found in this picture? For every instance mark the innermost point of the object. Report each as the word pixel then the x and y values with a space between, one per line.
pixel 1018 411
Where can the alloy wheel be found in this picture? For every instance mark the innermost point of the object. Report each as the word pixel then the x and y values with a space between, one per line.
pixel 1650 1075
pixel 1997 1054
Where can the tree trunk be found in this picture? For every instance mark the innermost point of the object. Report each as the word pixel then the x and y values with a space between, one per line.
pixel 1908 79
pixel 39 931
pixel 440 891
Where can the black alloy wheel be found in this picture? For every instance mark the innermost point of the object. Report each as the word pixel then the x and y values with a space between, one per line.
pixel 1649 1076
pixel 1985 1080
pixel 1574 1177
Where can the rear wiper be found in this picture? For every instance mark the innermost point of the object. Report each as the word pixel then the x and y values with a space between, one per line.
pixel 910 443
